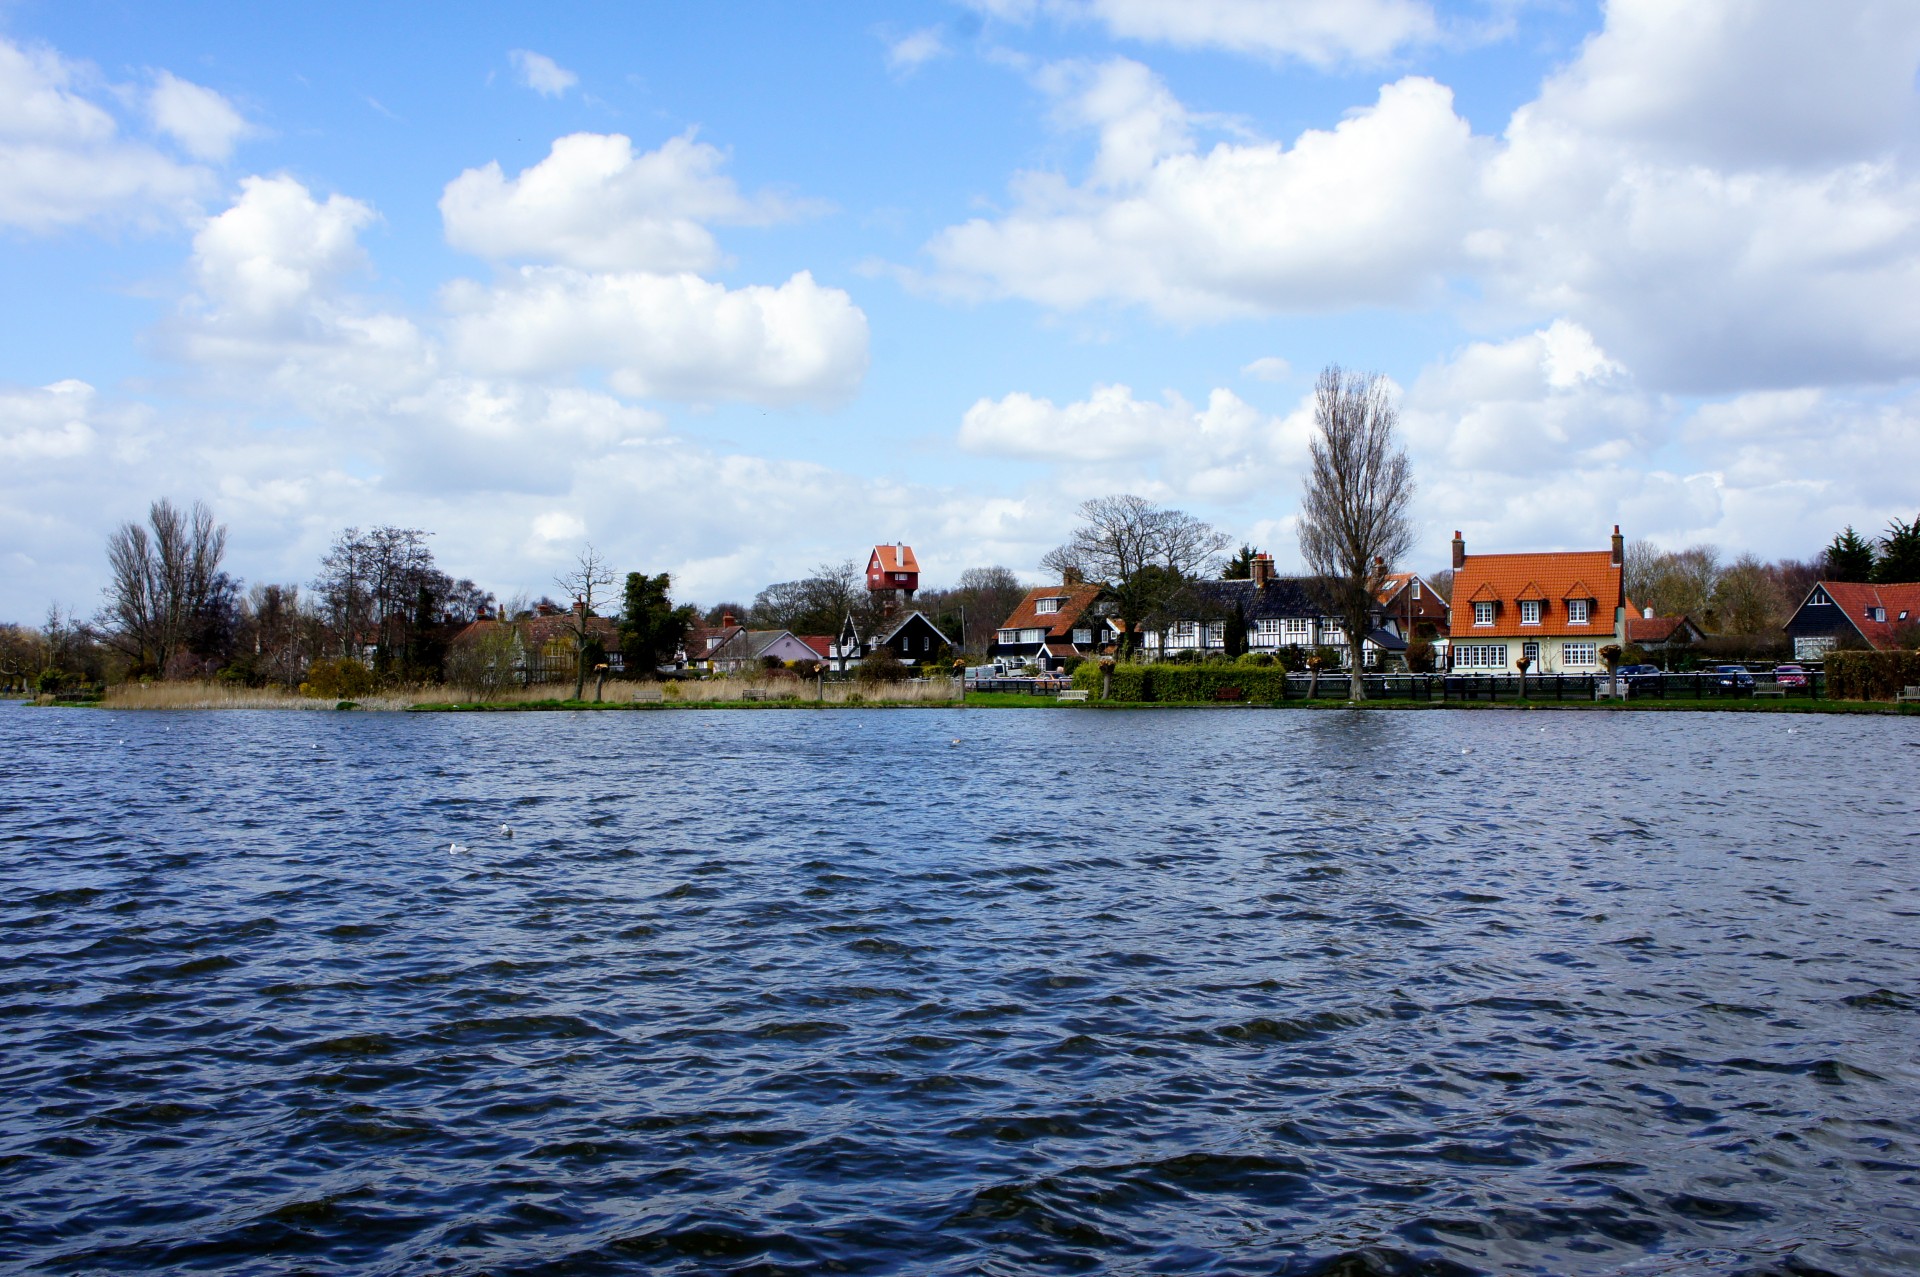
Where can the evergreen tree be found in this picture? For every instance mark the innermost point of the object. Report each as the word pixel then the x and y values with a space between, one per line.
pixel 1899 553
pixel 1240 566
pixel 1850 557
pixel 651 627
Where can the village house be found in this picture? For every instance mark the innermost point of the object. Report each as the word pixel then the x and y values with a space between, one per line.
pixel 1558 610
pixel 746 650
pixel 1853 614
pixel 1055 622
pixel 547 640
pixel 893 569
pixel 910 636
pixel 1658 635
pixel 1278 612
pixel 1412 608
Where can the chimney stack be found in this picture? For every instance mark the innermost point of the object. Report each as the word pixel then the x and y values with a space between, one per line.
pixel 1070 577
pixel 1619 547
pixel 726 620
pixel 1261 569
pixel 579 607
pixel 1459 551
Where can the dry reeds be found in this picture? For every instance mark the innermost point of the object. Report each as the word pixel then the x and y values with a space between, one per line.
pixel 229 696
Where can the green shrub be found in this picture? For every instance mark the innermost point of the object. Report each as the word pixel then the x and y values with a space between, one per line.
pixel 881 667
pixel 1871 676
pixel 1086 677
pixel 1170 682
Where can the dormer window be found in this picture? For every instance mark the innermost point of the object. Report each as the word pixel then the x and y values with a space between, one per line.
pixel 1876 614
pixel 1047 607
pixel 1483 612
pixel 1529 611
pixel 1577 611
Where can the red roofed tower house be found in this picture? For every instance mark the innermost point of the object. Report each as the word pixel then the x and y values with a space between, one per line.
pixel 892 569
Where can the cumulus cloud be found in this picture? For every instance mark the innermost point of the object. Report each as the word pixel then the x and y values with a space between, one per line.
pixel 912 51
pixel 48 423
pixel 1370 212
pixel 677 336
pixel 64 160
pixel 1269 368
pixel 1722 193
pixel 593 203
pixel 541 73
pixel 1226 451
pixel 1317 32
pixel 204 123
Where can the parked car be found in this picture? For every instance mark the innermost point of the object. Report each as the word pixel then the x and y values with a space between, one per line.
pixel 1790 675
pixel 1640 677
pixel 1733 677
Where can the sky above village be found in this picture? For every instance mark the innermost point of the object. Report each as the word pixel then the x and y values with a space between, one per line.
pixel 732 290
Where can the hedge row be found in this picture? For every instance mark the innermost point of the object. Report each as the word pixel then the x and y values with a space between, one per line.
pixel 1200 682
pixel 1871 676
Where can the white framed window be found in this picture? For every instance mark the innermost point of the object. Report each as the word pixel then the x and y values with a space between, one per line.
pixel 1082 636
pixel 1332 635
pixel 1480 656
pixel 1216 634
pixel 1529 611
pixel 1299 629
pixel 1576 611
pixel 1416 589
pixel 899 576
pixel 1009 636
pixel 1032 636
pixel 1266 633
pixel 1483 613
pixel 1184 631
pixel 1819 599
pixel 1047 607
pixel 1532 652
pixel 1579 655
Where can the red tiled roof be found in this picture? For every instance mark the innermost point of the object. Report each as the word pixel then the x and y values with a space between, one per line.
pixel 1552 578
pixel 1654 629
pixel 1074 599
pixel 895 558
pixel 1854 598
pixel 821 643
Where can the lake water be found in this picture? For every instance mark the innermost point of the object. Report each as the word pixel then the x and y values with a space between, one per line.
pixel 959 992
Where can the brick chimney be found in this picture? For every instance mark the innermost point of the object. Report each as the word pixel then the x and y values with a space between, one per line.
pixel 579 607
pixel 1619 547
pixel 1459 551
pixel 1070 577
pixel 1261 570
pixel 726 620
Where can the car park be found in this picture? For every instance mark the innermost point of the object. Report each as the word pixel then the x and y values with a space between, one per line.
pixel 1733 678
pixel 1790 676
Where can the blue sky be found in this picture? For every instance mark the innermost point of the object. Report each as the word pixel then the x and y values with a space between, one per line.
pixel 733 290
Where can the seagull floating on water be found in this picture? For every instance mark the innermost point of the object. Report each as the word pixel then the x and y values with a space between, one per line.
pixel 455 849
pixel 506 831
pixel 1466 749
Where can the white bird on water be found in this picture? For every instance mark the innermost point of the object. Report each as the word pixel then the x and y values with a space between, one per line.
pixel 455 849
pixel 506 831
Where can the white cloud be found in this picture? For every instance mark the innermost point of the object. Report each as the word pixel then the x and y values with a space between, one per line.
pixel 1318 32
pixel 594 204
pixel 63 160
pixel 202 121
pixel 268 255
pixel 1371 212
pixel 677 336
pixel 46 424
pixel 1227 451
pixel 1269 368
pixel 912 51
pixel 1740 83
pixel 541 73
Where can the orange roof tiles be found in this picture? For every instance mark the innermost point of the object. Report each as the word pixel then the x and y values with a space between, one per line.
pixel 1899 602
pixel 1505 579
pixel 1074 599
pixel 894 558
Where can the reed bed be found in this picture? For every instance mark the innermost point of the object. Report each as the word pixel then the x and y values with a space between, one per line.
pixel 228 696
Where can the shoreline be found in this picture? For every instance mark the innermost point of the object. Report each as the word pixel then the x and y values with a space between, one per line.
pixel 1017 701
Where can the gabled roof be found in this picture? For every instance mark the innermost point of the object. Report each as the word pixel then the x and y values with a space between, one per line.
pixel 894 558
pixel 1855 598
pixel 907 620
pixel 1659 629
pixel 1574 574
pixel 821 643
pixel 1531 592
pixel 1279 598
pixel 1074 599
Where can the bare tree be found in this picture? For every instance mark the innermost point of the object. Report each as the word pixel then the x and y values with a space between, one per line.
pixel 166 583
pixel 1747 599
pixel 590 573
pixel 1353 511
pixel 1143 553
